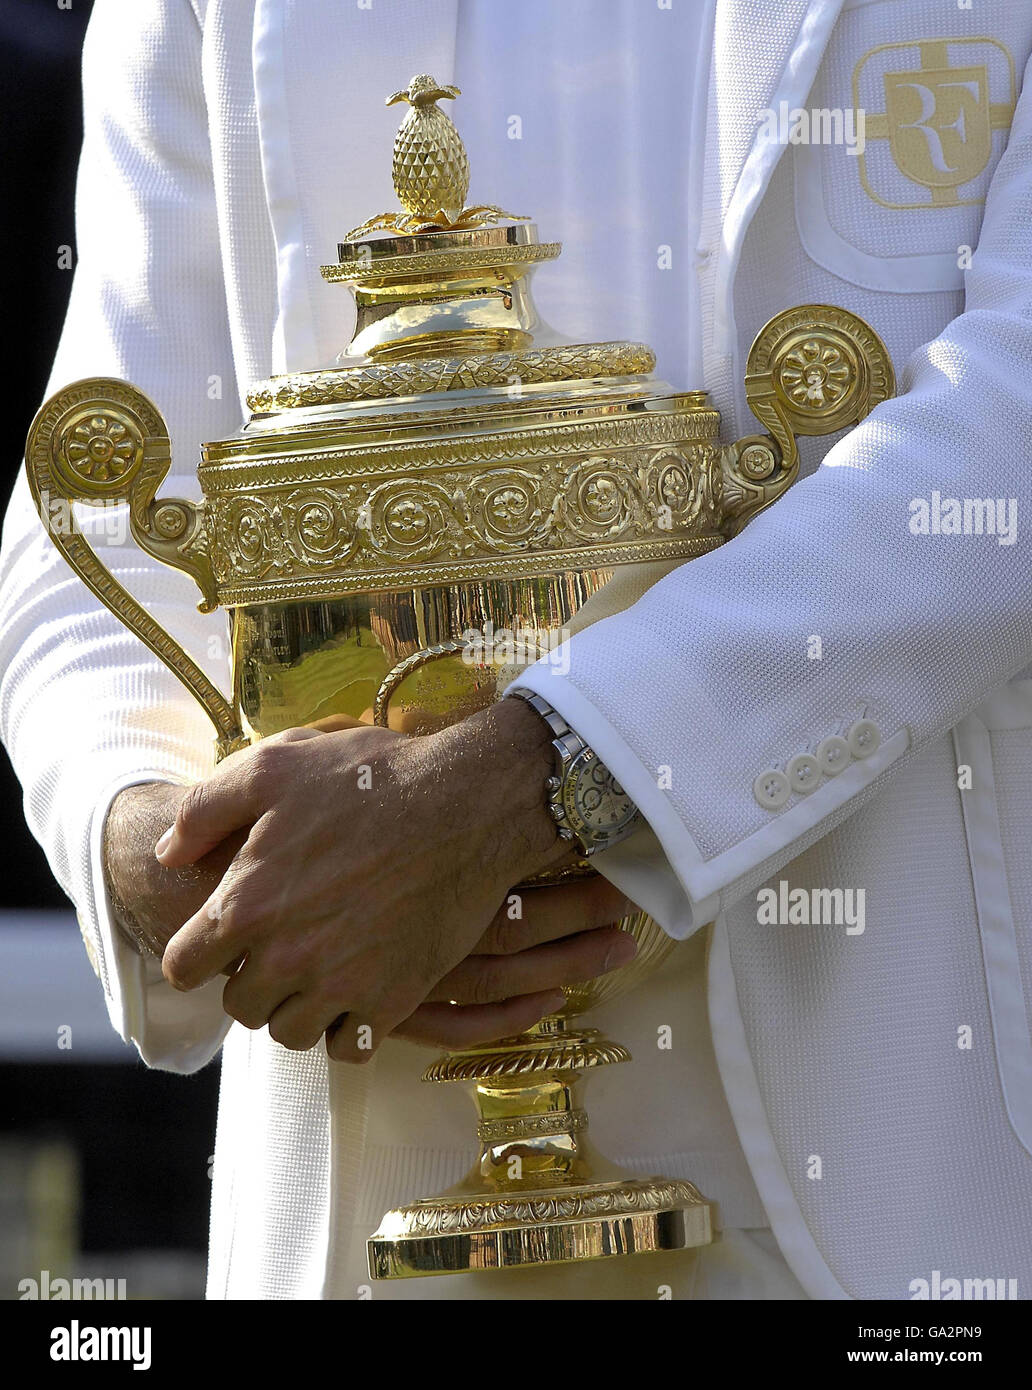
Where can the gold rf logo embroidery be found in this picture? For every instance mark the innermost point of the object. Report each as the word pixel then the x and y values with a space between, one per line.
pixel 938 119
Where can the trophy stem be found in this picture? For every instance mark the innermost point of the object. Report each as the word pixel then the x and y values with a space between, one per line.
pixel 538 1193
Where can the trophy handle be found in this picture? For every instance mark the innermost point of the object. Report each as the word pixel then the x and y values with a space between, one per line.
pixel 812 370
pixel 102 442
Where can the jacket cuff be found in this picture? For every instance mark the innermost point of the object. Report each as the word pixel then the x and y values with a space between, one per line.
pixel 171 1030
pixel 662 868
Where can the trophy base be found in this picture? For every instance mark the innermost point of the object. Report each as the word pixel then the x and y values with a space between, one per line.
pixel 454 1234
pixel 539 1194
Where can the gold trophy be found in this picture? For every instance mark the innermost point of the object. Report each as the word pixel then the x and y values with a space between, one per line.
pixel 460 472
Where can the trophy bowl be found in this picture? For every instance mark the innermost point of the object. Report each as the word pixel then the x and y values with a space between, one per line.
pixel 398 535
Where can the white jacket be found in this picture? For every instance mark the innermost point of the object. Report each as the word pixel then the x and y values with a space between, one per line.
pixel 235 147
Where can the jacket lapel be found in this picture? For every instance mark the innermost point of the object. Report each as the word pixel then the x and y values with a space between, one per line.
pixel 763 55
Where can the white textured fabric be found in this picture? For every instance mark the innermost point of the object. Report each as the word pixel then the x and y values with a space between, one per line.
pixel 835 1047
pixel 228 150
pixel 85 707
pixel 1014 795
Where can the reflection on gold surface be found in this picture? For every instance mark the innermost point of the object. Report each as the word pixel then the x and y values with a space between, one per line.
pixel 294 663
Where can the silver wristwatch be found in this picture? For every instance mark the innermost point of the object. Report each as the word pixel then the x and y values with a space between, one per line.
pixel 588 804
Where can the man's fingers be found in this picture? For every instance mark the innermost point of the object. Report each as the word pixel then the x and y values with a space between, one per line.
pixel 219 933
pixel 184 963
pixel 300 1021
pixel 485 979
pixel 455 1026
pixel 536 915
pixel 353 1039
pixel 239 790
pixel 230 799
pixel 257 994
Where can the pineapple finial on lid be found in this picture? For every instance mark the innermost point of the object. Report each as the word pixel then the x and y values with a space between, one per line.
pixel 431 169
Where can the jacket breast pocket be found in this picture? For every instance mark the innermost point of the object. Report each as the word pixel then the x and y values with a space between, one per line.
pixel 896 205
pixel 994 758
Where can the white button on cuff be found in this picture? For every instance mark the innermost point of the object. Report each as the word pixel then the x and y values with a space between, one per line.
pixel 772 789
pixel 804 773
pixel 833 755
pixel 863 738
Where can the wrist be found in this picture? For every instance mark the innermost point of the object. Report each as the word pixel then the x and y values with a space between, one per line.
pixel 591 809
pixel 149 903
pixel 508 756
pixel 127 872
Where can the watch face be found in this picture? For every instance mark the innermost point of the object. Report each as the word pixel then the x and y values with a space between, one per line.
pixel 594 800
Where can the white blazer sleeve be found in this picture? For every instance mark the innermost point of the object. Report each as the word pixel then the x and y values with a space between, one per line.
pixel 706 682
pixel 85 708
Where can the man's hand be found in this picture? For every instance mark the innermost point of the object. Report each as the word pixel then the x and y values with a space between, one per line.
pixel 488 995
pixel 150 903
pixel 561 937
pixel 373 867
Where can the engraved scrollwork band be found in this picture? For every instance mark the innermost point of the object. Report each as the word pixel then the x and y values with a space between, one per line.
pixel 573 1052
pixel 440 1215
pixel 533 1126
pixel 436 262
pixel 543 497
pixel 430 375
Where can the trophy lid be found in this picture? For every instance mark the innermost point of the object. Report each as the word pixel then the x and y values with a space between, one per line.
pixel 442 290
